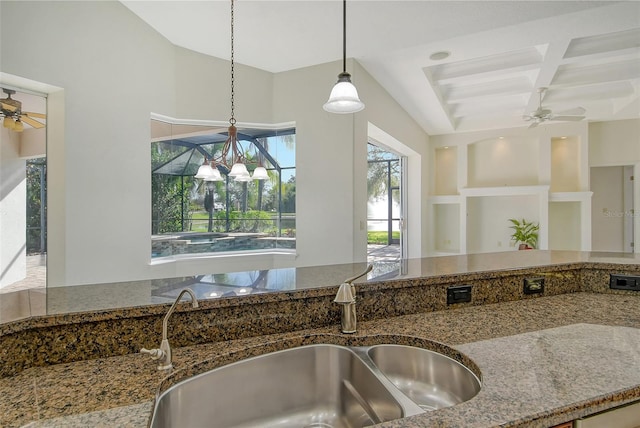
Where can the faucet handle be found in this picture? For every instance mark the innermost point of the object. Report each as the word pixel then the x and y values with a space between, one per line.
pixel 346 294
pixel 156 354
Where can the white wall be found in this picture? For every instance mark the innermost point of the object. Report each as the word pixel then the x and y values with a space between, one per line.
pixel 331 161
pixel 511 161
pixel 112 71
pixel 615 143
pixel 488 221
pixel 203 89
pixel 13 189
pixel 386 122
pixel 607 208
pixel 564 226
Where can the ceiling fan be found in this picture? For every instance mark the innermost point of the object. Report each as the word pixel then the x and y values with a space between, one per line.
pixel 14 117
pixel 543 114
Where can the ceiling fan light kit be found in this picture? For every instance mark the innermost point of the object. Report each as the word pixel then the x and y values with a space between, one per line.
pixel 344 95
pixel 14 117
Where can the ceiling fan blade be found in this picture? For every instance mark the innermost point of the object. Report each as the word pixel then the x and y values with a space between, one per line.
pixel 568 118
pixel 8 107
pixel 534 124
pixel 31 122
pixel 32 114
pixel 576 111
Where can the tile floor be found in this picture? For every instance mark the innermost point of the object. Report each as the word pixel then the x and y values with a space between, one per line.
pixel 36 275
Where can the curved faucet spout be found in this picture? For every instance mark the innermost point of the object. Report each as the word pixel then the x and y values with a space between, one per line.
pixel 163 354
pixel 350 280
pixel 194 304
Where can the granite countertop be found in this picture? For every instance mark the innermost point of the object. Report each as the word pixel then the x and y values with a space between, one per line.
pixel 60 304
pixel 543 361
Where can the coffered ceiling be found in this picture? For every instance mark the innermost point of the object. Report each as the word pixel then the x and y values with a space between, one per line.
pixel 587 53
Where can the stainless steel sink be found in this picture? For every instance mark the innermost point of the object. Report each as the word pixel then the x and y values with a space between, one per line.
pixel 311 386
pixel 429 379
pixel 317 386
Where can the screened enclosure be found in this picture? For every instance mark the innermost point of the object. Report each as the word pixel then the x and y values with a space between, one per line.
pixel 384 177
pixel 191 215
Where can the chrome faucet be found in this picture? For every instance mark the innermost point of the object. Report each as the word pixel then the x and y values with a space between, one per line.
pixel 346 296
pixel 163 354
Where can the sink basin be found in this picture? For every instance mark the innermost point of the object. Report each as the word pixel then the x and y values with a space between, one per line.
pixel 315 386
pixel 429 379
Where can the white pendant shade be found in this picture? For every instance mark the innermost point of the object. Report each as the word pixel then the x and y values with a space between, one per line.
pixel 215 175
pixel 344 97
pixel 243 178
pixel 260 173
pixel 204 171
pixel 238 169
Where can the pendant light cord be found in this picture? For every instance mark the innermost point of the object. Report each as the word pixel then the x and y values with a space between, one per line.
pixel 344 36
pixel 232 121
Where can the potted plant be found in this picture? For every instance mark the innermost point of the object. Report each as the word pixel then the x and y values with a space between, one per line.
pixel 525 233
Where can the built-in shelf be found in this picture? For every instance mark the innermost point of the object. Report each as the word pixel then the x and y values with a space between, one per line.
pixel 480 184
pixel 504 190
pixel 444 199
pixel 570 196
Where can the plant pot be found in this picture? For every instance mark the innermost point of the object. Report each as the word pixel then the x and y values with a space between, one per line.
pixel 524 247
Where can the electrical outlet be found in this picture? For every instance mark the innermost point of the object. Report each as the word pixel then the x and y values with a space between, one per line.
pixel 458 294
pixel 624 282
pixel 533 286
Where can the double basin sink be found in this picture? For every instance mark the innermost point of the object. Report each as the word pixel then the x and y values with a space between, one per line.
pixel 318 386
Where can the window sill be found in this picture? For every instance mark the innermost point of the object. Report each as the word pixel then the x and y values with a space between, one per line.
pixel 275 255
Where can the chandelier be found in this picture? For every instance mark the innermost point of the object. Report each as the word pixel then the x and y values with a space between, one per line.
pixel 232 152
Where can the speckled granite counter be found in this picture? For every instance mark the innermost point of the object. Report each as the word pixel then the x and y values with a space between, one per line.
pixel 543 361
pixel 121 298
pixel 417 286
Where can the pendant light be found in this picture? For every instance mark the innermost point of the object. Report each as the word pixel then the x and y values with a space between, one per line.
pixel 344 95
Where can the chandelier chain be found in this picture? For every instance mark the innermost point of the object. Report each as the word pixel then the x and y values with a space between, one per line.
pixel 232 121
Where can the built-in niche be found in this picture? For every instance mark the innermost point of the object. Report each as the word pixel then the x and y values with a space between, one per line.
pixel 565 164
pixel 488 220
pixel 508 161
pixel 446 163
pixel 447 231
pixel 565 225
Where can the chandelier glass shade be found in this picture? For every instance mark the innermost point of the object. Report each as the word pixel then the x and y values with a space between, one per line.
pixel 260 173
pixel 238 170
pixel 208 171
pixel 205 170
pixel 214 176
